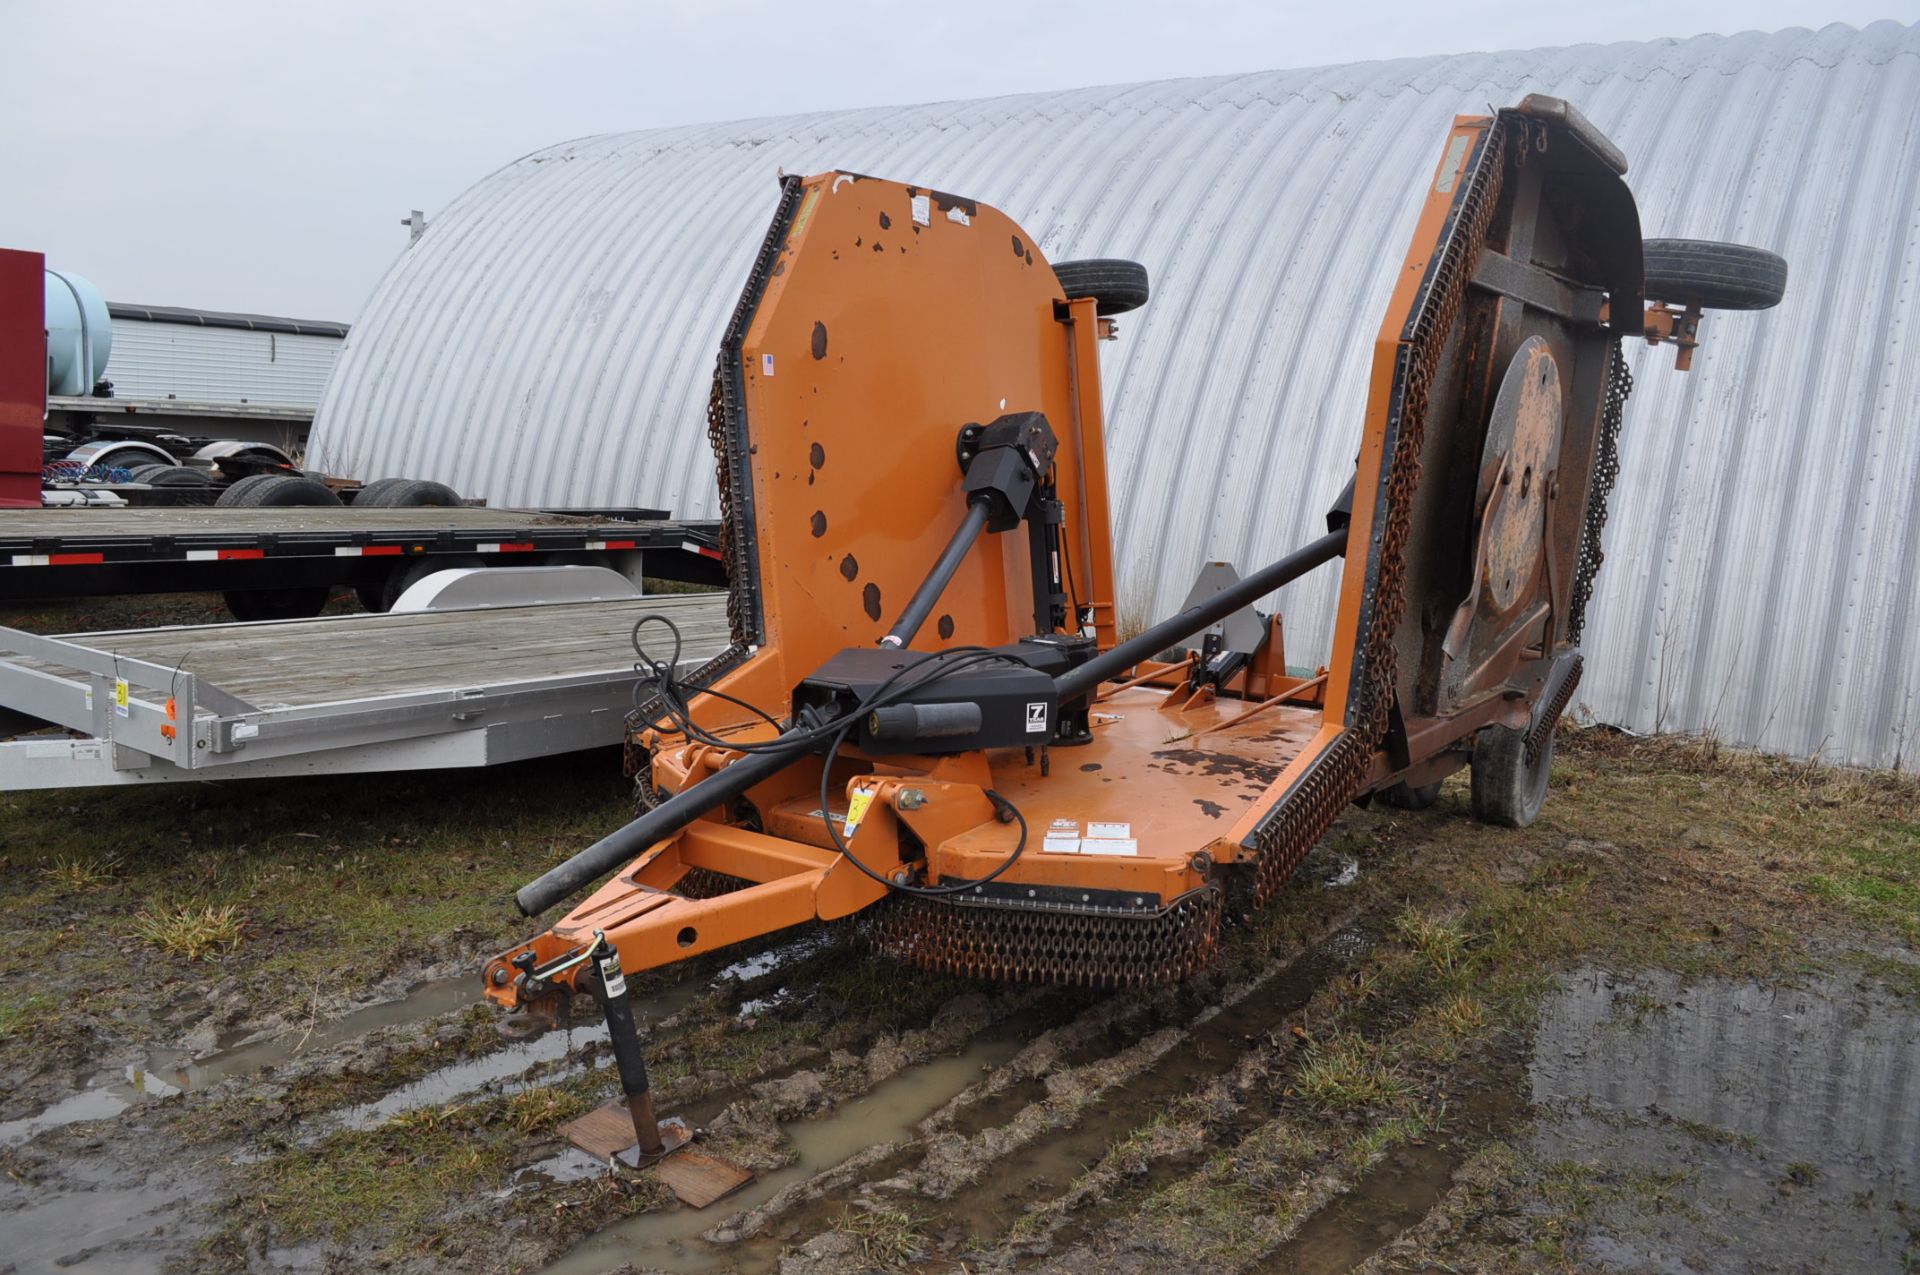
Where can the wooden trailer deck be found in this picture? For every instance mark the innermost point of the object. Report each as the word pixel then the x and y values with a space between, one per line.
pixel 360 692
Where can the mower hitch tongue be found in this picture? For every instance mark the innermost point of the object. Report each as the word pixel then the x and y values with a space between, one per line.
pixel 927 715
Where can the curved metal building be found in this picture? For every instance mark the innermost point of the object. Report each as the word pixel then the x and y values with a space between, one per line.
pixel 550 338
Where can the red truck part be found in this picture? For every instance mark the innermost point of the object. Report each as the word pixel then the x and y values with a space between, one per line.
pixel 23 376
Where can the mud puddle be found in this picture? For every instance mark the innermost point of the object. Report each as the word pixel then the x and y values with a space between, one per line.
pixel 90 1219
pixel 889 1112
pixel 1404 1186
pixel 180 1073
pixel 171 1071
pixel 1048 1165
pixel 499 1070
pixel 506 1069
pixel 1723 1125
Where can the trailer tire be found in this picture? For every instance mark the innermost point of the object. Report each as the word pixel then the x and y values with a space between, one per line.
pixel 1714 276
pixel 1401 797
pixel 1506 790
pixel 233 496
pixel 1117 285
pixel 406 493
pixel 176 485
pixel 249 605
pixel 279 491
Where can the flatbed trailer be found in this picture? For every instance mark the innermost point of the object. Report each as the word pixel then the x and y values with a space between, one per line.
pixel 69 553
pixel 335 695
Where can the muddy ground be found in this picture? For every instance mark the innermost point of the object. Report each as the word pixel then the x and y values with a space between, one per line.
pixel 1673 1027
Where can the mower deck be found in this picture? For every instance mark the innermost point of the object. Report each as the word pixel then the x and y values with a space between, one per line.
pixel 1139 771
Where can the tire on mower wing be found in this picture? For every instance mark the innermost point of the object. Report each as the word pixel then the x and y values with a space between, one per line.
pixel 1505 790
pixel 1116 284
pixel 278 491
pixel 1714 276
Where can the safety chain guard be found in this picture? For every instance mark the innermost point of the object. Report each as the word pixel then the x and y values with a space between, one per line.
pixel 1076 949
pixel 1542 728
pixel 1606 468
pixel 1298 821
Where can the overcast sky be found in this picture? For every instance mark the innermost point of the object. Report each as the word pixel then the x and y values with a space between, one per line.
pixel 259 155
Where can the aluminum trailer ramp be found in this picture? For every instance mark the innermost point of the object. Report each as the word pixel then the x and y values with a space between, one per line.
pixel 329 696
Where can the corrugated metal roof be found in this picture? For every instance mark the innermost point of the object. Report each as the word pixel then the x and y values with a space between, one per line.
pixel 550 338
pixel 188 317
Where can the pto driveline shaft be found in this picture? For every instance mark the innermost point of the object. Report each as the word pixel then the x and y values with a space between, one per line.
pixel 657 824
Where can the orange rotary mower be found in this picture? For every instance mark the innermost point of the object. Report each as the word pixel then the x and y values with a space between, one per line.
pixel 927 709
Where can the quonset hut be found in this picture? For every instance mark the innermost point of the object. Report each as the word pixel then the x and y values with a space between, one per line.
pixel 550 338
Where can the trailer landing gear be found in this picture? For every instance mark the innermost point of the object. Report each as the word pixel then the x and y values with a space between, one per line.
pixel 630 1130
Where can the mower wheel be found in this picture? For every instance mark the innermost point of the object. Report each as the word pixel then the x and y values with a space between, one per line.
pixel 1505 789
pixel 1117 285
pixel 1401 797
pixel 1714 276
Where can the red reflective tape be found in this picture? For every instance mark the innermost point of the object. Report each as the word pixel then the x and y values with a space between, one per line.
pixel 620 544
pixel 381 551
pixel 709 553
pixel 525 548
pixel 227 555
pixel 74 559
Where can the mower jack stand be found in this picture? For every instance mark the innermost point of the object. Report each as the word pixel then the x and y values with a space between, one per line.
pixel 697 1178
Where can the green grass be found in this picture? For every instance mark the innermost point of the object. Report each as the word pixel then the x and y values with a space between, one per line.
pixel 890 1239
pixel 1878 878
pixel 76 873
pixel 190 932
pixel 20 1016
pixel 1348 1071
pixel 340 882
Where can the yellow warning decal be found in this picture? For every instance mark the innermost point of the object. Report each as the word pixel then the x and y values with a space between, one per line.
pixel 857 808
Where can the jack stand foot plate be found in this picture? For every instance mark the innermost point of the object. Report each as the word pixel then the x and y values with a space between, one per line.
pixel 697 1178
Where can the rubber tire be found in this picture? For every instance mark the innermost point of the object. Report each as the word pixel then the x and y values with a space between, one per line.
pixel 181 485
pixel 369 490
pixel 278 491
pixel 1504 789
pixel 1116 284
pixel 1401 797
pixel 233 496
pixel 249 605
pixel 138 474
pixel 1714 276
pixel 406 493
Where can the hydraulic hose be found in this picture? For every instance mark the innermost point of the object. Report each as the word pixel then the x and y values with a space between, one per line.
pixel 920 606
